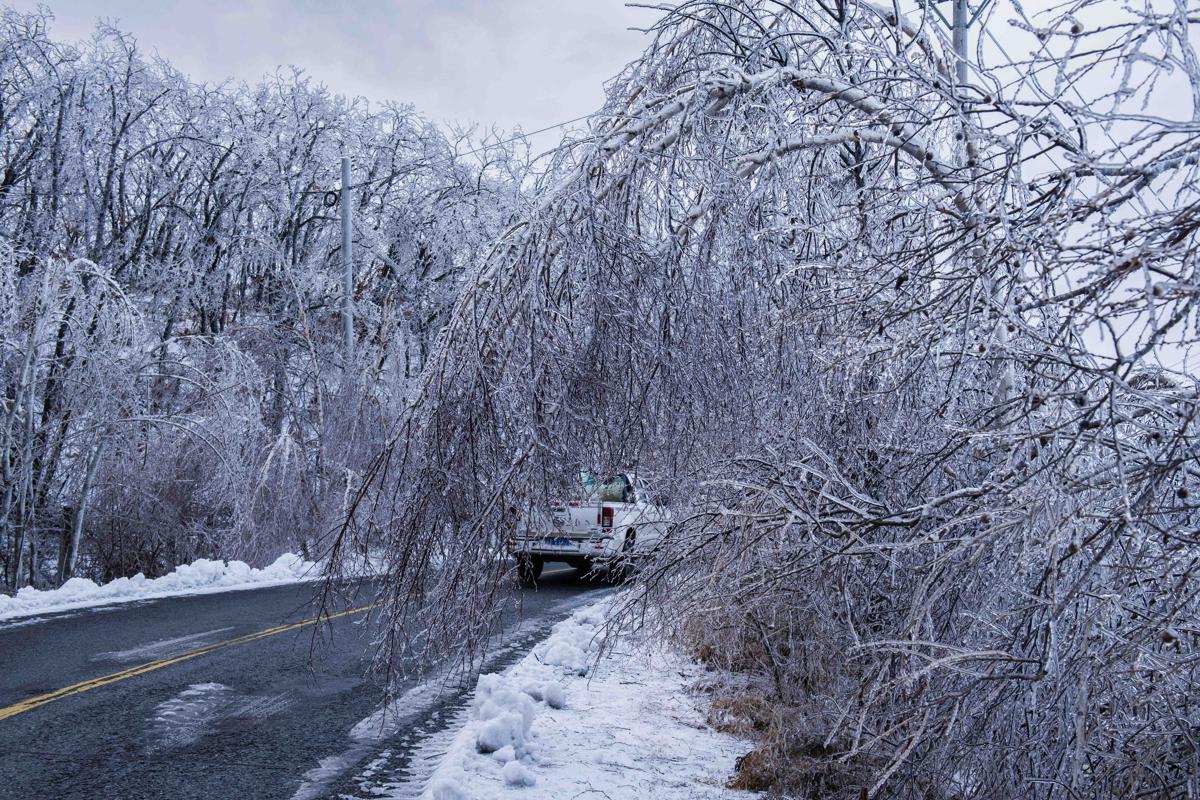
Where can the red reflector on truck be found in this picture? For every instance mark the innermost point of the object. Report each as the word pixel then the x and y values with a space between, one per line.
pixel 605 517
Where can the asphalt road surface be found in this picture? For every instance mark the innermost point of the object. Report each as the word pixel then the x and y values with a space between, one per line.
pixel 224 696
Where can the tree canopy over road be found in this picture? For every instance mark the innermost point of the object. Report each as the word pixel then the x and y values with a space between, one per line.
pixel 900 341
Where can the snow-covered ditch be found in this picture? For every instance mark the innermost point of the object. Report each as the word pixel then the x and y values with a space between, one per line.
pixel 202 576
pixel 561 724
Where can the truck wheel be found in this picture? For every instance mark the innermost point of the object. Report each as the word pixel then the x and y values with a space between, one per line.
pixel 529 569
pixel 622 568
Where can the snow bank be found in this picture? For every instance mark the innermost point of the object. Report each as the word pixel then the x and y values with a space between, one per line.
pixel 567 725
pixel 200 577
pixel 505 713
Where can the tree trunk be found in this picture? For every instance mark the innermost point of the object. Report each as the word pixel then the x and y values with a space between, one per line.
pixel 70 553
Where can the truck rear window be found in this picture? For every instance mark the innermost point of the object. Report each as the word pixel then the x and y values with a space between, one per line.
pixel 613 489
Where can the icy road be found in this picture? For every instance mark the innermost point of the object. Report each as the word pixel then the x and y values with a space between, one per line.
pixel 224 695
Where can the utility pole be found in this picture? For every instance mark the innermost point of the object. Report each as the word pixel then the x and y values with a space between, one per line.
pixel 347 261
pixel 961 20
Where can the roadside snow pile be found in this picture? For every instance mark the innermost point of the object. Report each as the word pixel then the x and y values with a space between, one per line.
pixel 552 726
pixel 202 576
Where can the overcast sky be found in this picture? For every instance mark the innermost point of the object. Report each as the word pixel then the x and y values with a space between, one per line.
pixel 527 63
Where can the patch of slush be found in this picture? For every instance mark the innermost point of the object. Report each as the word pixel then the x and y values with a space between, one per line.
pixel 188 715
pixel 401 723
pixel 424 759
pixel 396 722
pixel 263 707
pixel 8 623
pixel 161 648
pixel 193 713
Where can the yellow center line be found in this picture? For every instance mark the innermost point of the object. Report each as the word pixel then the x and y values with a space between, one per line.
pixel 142 669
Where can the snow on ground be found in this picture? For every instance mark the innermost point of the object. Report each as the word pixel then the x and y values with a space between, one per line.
pixel 404 720
pixel 559 725
pixel 203 576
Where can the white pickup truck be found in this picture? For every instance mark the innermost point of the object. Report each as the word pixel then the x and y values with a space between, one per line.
pixel 609 521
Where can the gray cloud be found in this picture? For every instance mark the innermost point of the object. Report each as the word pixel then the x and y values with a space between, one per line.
pixel 530 63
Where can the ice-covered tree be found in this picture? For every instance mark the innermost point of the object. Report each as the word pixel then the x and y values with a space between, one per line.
pixel 173 377
pixel 898 342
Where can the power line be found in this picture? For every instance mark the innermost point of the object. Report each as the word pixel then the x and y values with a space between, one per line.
pixel 451 159
pixel 526 135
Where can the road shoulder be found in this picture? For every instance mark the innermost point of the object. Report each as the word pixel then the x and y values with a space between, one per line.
pixel 561 723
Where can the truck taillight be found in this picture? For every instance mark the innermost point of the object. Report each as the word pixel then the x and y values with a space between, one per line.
pixel 604 517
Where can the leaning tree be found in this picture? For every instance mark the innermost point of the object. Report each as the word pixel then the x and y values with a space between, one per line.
pixel 897 342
